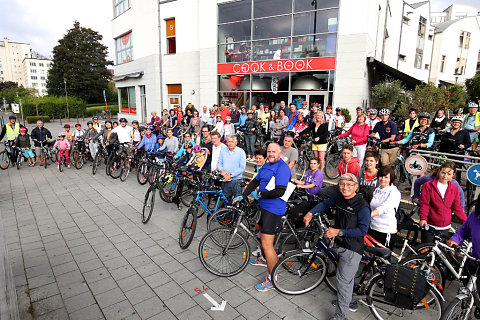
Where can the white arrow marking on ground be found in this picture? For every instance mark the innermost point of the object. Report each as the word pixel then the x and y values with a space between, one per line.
pixel 216 306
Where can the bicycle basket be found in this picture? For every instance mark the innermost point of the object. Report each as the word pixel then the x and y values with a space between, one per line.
pixel 405 287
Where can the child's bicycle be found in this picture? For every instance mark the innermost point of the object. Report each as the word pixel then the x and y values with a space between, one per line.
pixel 62 159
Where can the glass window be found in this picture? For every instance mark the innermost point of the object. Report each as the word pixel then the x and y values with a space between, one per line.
pixel 234 52
pixel 263 81
pixel 124 48
pixel 121 6
pixel 32 64
pixel 234 11
pixel 33 77
pixel 272 27
pixel 40 64
pixel 315 22
pixel 306 5
pixel 332 81
pixel 272 49
pixel 319 45
pixel 267 8
pixel 127 100
pixel 234 82
pixel 239 98
pixel 234 32
pixel 309 81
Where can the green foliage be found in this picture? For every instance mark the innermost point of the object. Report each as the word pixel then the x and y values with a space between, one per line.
pixel 53 106
pixel 347 115
pixel 10 94
pixel 91 111
pixel 427 98
pixel 455 97
pixel 34 119
pixel 473 87
pixel 387 94
pixel 81 59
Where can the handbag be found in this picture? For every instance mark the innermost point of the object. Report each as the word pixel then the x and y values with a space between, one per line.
pixel 405 287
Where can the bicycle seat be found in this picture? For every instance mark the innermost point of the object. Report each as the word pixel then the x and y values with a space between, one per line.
pixel 379 252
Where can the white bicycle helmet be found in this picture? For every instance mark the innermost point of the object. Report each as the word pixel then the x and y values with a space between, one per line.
pixel 373 111
pixel 457 118
pixel 384 111
pixel 472 105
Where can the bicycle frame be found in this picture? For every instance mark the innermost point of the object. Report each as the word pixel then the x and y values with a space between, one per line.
pixel 371 242
pixel 437 251
pixel 199 200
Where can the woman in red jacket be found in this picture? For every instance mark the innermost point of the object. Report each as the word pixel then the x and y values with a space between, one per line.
pixel 438 199
pixel 359 132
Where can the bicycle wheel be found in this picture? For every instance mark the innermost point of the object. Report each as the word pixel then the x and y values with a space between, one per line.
pixel 153 174
pixel 188 195
pixel 95 163
pixel 60 165
pixel 218 257
pixel 44 157
pixel 76 159
pixel 53 156
pixel 142 173
pixel 429 307
pixel 436 274
pixel 148 204
pixel 299 272
pixel 331 166
pixel 302 238
pixel 115 167
pixel 19 160
pixel 4 160
pixel 187 228
pixel 224 217
pixel 459 308
pixel 302 166
pixel 168 187
pixel 125 170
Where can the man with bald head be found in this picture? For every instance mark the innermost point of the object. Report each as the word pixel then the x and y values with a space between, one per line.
pixel 272 181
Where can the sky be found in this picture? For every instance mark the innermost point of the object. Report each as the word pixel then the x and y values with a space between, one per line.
pixel 41 23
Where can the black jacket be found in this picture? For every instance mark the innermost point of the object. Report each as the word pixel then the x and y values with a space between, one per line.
pixel 450 142
pixel 249 125
pixel 40 134
pixel 321 133
pixel 235 115
pixel 441 125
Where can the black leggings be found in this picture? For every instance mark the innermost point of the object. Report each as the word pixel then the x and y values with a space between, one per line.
pixel 382 238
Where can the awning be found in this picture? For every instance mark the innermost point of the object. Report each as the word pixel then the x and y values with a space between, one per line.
pixel 128 75
pixel 379 71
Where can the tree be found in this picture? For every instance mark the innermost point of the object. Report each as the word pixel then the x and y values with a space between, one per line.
pixel 473 87
pixel 387 94
pixel 81 60
pixel 8 85
pixel 427 98
pixel 455 97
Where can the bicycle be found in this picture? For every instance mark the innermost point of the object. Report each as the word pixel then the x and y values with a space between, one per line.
pixel 79 152
pixel 62 160
pixel 5 156
pixel 333 156
pixel 46 152
pixel 100 156
pixel 399 167
pixel 467 296
pixel 128 163
pixel 305 153
pixel 116 163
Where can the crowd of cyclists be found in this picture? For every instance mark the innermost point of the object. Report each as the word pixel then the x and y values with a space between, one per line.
pixel 366 199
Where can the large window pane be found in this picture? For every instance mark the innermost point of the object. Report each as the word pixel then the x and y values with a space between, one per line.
pixel 272 27
pixel 320 45
pixel 267 8
pixel 234 82
pixel 268 97
pixel 266 79
pixel 234 52
pixel 309 81
pixel 234 11
pixel 315 22
pixel 239 98
pixel 272 49
pixel 234 32
pixel 305 5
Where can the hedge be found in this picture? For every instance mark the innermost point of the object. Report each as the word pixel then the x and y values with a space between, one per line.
pixel 91 111
pixel 34 119
pixel 53 106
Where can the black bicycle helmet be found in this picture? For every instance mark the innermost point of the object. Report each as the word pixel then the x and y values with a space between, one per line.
pixel 89 122
pixel 12 116
pixel 122 120
pixel 134 122
pixel 425 115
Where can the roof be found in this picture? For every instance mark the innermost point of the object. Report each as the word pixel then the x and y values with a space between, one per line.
pixel 418 4
pixel 379 70
pixel 442 26
pixel 127 76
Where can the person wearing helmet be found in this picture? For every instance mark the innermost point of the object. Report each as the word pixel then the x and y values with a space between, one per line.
pixel 228 127
pixel 90 133
pixel 160 146
pixel 250 128
pixel 40 135
pixel 455 140
pixel 359 111
pixel 372 119
pixel 63 146
pixel 420 137
pixel 23 142
pixel 387 132
pixel 339 119
pixel 330 119
pixel 198 160
pixel 96 124
pixel 472 121
pixel 11 129
pixel 68 133
pixel 412 122
pixel 136 134
pixel 187 156
pixel 219 125
pixel 149 139
pixel 124 134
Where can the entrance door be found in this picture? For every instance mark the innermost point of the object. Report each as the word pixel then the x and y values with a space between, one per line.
pixel 174 101
pixel 298 97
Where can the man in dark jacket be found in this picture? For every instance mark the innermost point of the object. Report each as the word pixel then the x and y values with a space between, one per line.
pixel 235 115
pixel 40 134
pixel 352 219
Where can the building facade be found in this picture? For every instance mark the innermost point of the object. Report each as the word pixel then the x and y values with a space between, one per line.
pixel 170 53
pixel 11 61
pixel 36 72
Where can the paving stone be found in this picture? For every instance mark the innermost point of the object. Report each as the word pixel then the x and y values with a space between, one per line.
pixel 168 290
pixel 157 279
pixel 139 294
pixel 131 282
pixel 47 305
pixel 91 312
pixel 78 302
pixel 43 292
pixel 59 314
pixel 103 285
pixel 180 303
pixel 95 275
pixel 74 289
pixel 252 309
pixel 235 296
pixel 109 298
pixel 122 272
pixel 182 276
pixel 119 310
pixel 150 307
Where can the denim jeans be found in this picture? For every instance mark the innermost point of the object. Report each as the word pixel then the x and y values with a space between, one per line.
pixel 250 142
pixel 232 189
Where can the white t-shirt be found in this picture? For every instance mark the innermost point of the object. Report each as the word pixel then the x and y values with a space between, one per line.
pixel 442 188
pixel 340 119
pixel 371 123
pixel 216 155
pixel 123 133
pixel 330 120
pixel 136 135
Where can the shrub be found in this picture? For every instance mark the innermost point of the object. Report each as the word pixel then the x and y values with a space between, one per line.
pixel 53 106
pixel 346 114
pixel 91 111
pixel 34 119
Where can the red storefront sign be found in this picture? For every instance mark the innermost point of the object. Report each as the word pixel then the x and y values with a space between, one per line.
pixel 124 110
pixel 308 64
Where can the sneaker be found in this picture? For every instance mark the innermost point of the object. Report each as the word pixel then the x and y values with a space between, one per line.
pixel 258 262
pixel 265 285
pixel 68 165
pixel 58 165
pixel 257 253
pixel 353 307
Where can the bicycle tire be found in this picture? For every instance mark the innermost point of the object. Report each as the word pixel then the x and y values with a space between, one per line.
pixel 188 195
pixel 223 217
pixel 331 166
pixel 449 313
pixel 297 273
pixel 375 293
pixel 19 160
pixel 125 170
pixel 168 187
pixel 115 167
pixel 152 174
pixel 53 156
pixel 142 174
pixel 76 157
pixel 187 228
pixel 44 159
pixel 95 163
pixel 4 160
pixel 60 165
pixel 209 247
pixel 303 238
pixel 302 166
pixel 437 274
pixel 148 205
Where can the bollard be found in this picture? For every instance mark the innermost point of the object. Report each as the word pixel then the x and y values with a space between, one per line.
pixel 60 121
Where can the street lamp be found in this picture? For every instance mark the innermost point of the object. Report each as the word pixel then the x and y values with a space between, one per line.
pixel 66 96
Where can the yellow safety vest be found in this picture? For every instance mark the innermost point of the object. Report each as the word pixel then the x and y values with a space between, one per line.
pixel 477 119
pixel 12 133
pixel 407 128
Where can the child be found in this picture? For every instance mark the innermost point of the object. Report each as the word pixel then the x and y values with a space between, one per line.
pixel 63 147
pixel 188 154
pixel 78 137
pixel 148 140
pixel 23 142
pixel 229 128
pixel 68 133
pixel 275 132
pixel 196 162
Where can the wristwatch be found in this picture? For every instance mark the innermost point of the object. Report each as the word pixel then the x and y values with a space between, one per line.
pixel 340 233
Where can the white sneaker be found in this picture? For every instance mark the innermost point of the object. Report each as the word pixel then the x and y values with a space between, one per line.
pixel 257 253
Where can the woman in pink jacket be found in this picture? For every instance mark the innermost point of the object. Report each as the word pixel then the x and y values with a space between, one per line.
pixel 438 199
pixel 359 132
